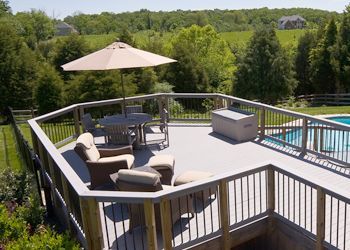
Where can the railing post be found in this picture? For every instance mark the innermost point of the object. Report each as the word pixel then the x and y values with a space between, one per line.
pixel 224 215
pixel 81 113
pixel 150 224
pixel 46 186
pixel 321 211
pixel 315 139
pixel 270 190
pixel 66 199
pixel 262 123
pixel 165 215
pixel 92 223
pixel 76 121
pixel 304 136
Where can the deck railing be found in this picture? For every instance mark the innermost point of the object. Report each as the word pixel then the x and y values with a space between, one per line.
pixel 100 218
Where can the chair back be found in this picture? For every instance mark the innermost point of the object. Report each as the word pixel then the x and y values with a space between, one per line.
pixel 133 109
pixel 86 148
pixel 88 123
pixel 164 116
pixel 118 134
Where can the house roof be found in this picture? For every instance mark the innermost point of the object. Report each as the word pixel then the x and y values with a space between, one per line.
pixel 291 18
pixel 64 25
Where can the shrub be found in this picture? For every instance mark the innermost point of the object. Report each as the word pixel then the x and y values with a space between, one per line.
pixel 14 186
pixel 44 239
pixel 11 227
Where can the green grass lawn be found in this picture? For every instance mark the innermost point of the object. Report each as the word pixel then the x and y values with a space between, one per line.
pixel 25 130
pixel 323 110
pixel 9 156
pixel 286 37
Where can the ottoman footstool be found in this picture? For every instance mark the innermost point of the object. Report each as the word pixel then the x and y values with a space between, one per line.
pixel 164 164
pixel 195 175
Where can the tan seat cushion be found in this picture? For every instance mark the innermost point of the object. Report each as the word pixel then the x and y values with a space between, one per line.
pixel 162 162
pixel 190 176
pixel 128 157
pixel 86 142
pixel 138 177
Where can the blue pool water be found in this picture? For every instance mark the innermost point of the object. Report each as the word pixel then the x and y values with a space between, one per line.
pixel 327 140
pixel 341 119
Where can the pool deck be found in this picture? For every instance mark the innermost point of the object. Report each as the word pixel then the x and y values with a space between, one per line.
pixel 196 147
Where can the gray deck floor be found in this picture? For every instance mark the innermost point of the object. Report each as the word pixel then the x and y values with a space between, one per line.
pixel 197 148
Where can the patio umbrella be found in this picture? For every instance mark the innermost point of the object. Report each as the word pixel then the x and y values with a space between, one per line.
pixel 118 55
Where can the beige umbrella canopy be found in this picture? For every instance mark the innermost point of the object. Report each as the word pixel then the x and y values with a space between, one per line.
pixel 118 55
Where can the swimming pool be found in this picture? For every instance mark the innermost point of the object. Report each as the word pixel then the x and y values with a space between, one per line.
pixel 327 139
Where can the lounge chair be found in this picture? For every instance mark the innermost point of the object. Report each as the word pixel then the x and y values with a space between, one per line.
pixel 142 181
pixel 102 162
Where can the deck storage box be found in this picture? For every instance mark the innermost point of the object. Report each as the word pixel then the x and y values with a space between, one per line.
pixel 234 123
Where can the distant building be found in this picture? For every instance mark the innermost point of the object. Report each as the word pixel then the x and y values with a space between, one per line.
pixel 291 22
pixel 64 29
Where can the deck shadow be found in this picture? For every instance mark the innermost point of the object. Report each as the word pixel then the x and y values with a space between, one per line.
pixel 223 138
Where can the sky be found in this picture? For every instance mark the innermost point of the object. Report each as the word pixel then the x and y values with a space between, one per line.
pixel 63 8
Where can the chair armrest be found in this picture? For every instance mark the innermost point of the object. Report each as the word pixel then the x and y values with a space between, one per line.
pixel 108 152
pixel 100 171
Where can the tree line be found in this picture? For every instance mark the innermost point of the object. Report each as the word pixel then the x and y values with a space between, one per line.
pixel 221 20
pixel 31 73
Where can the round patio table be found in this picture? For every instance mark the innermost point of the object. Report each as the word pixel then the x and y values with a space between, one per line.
pixel 133 119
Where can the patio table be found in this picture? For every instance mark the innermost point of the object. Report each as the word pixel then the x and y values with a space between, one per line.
pixel 134 119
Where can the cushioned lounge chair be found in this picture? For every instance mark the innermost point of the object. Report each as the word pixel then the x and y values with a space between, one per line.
pixel 102 162
pixel 142 181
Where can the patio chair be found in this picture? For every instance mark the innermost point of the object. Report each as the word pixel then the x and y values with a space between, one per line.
pixel 158 127
pixel 133 109
pixel 102 162
pixel 90 126
pixel 121 134
pixel 149 181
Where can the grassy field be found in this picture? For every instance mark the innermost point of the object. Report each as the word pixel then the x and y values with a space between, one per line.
pixel 286 37
pixel 8 152
pixel 323 110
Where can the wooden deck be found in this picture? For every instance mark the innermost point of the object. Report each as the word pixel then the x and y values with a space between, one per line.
pixel 195 147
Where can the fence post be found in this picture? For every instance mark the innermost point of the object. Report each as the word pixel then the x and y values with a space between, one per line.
pixel 150 224
pixel 304 136
pixel 92 223
pixel 224 215
pixel 165 215
pixel 321 211
pixel 262 123
pixel 76 121
pixel 270 190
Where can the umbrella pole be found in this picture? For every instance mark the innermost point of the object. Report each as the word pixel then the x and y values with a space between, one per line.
pixel 123 90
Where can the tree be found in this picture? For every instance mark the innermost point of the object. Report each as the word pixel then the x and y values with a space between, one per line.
pixel 125 36
pixel 98 85
pixel 205 61
pixel 48 93
pixel 343 51
pixel 35 26
pixel 323 66
pixel 302 64
pixel 17 69
pixel 69 49
pixel 265 71
pixel 4 7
